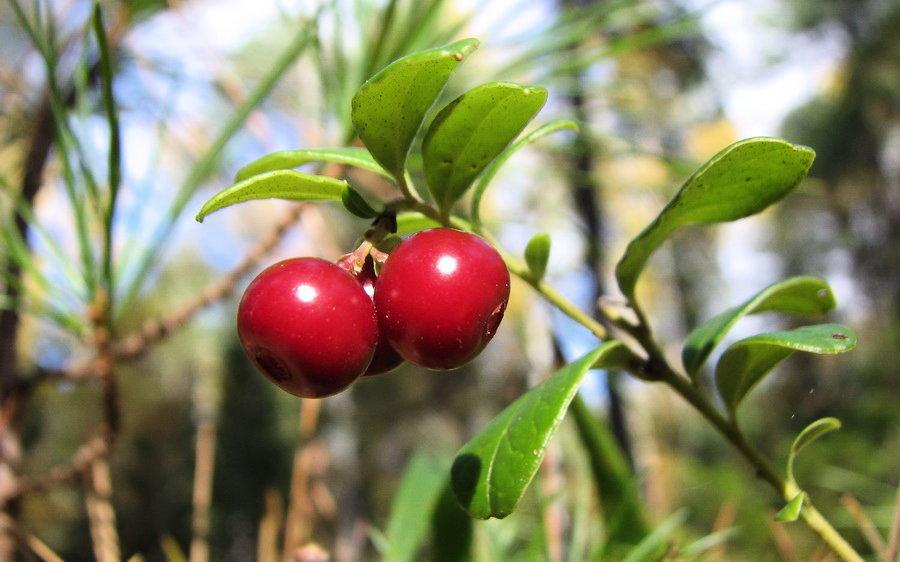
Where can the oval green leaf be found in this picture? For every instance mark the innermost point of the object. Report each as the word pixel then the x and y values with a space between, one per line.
pixel 739 181
pixel 791 511
pixel 809 434
pixel 280 184
pixel 471 132
pixel 417 496
pixel 492 471
pixel 413 221
pixel 387 111
pixel 356 204
pixel 797 295
pixel 494 167
pixel 452 530
pixel 537 252
pixel 746 362
pixel 289 159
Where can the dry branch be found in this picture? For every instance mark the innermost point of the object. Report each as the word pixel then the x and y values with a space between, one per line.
pixel 269 527
pixel 203 485
pixel 136 344
pixel 300 515
pixel 866 527
pixel 101 515
pixel 74 470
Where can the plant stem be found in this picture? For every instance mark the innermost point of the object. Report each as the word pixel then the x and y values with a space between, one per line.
pixel 403 182
pixel 659 366
pixel 656 367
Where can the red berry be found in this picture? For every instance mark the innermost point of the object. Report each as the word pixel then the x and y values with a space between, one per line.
pixel 309 326
pixel 441 296
pixel 386 357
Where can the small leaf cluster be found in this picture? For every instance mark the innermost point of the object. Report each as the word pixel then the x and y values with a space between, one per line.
pixel 467 140
pixel 491 472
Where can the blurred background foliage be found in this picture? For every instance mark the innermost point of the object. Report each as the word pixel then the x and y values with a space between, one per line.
pixel 659 86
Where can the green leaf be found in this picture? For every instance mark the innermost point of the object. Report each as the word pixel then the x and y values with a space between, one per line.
pixel 537 252
pixel 356 204
pixel 791 511
pixel 739 181
pixel 410 222
pixel 797 295
pixel 451 530
pixel 289 159
pixel 746 362
pixel 492 471
pixel 417 496
pixel 389 108
pixel 704 544
pixel 473 130
pixel 809 434
pixel 494 167
pixel 618 490
pixel 280 184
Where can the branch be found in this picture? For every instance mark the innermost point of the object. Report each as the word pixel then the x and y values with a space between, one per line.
pixel 204 465
pixel 655 367
pixel 136 344
pixel 101 515
pixel 93 449
pixel 300 513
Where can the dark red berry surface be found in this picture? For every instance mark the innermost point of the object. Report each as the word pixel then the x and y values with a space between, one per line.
pixel 309 326
pixel 440 297
pixel 386 357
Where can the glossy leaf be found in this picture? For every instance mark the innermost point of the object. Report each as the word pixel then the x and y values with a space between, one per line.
pixel 791 511
pixel 492 471
pixel 739 181
pixel 471 132
pixel 416 497
pixel 451 530
pixel 389 108
pixel 289 159
pixel 746 362
pixel 797 295
pixel 494 167
pixel 537 252
pixel 280 184
pixel 809 434
pixel 356 204
pixel 412 221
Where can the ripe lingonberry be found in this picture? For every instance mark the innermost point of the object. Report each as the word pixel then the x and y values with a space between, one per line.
pixel 386 357
pixel 440 297
pixel 309 326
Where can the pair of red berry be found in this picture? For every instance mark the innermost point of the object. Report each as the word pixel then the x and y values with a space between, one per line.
pixel 313 328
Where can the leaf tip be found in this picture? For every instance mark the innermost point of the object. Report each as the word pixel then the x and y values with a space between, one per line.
pixel 203 212
pixel 463 48
pixel 791 511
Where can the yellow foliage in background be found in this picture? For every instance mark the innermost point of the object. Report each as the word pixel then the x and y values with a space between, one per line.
pixel 704 140
pixel 639 171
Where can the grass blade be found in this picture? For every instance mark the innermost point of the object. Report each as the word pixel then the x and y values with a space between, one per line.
pixel 207 164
